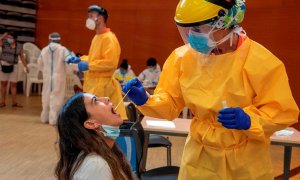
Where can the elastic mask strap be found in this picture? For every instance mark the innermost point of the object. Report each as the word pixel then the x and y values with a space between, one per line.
pixel 229 35
pixel 240 31
pixel 100 131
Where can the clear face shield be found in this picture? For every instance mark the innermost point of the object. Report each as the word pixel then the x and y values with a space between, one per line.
pixel 93 15
pixel 201 38
pixel 185 31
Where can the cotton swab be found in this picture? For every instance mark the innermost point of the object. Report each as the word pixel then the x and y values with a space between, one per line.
pixel 122 100
pixel 224 103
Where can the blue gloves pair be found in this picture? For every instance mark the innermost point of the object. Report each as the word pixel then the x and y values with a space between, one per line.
pixel 137 92
pixel 82 66
pixel 234 118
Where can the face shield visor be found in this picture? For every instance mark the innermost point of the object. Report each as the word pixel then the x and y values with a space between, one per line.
pixel 201 38
pixel 197 21
pixel 184 31
pixel 54 37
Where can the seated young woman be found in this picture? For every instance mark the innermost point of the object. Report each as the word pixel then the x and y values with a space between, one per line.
pixel 87 129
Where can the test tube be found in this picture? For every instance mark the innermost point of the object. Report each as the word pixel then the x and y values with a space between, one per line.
pixel 224 103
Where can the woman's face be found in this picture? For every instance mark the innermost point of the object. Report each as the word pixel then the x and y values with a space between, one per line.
pixel 101 111
pixel 9 39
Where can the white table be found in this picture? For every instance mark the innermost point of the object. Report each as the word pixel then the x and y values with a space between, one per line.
pixel 182 128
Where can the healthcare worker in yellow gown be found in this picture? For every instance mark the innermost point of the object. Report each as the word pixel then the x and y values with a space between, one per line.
pixel 102 60
pixel 237 90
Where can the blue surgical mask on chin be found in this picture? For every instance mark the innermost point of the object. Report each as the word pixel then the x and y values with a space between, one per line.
pixel 201 42
pixel 111 131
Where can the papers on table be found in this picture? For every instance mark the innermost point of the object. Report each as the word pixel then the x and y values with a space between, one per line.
pixel 164 124
pixel 284 132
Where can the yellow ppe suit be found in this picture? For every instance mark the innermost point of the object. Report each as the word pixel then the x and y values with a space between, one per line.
pixel 103 60
pixel 251 78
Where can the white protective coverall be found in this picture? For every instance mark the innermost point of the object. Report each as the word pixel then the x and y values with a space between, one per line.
pixel 52 62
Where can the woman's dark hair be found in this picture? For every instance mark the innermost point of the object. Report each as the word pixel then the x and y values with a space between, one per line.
pixel 151 62
pixel 76 142
pixel 13 34
pixel 124 64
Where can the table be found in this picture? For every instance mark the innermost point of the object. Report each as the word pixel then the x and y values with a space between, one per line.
pixel 288 142
pixel 182 128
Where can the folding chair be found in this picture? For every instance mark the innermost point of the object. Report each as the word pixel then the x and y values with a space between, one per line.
pixel 131 141
pixel 154 140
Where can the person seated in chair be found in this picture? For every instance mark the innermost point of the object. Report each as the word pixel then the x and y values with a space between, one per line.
pixel 87 128
pixel 150 76
pixel 124 73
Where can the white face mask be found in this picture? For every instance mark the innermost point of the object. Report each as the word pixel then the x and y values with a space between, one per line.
pixel 90 24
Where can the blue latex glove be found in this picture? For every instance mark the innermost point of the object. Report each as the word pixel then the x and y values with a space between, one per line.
pixel 83 66
pixel 74 60
pixel 137 93
pixel 234 118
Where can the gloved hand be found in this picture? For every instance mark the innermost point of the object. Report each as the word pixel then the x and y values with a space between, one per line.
pixel 74 60
pixel 137 92
pixel 83 66
pixel 234 118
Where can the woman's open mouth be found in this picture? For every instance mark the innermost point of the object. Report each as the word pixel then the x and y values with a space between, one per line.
pixel 113 111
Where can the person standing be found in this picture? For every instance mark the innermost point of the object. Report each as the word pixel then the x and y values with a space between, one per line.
pixel 237 90
pixel 102 60
pixel 52 62
pixel 11 51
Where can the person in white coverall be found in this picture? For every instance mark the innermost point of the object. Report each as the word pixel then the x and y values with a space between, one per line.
pixel 52 62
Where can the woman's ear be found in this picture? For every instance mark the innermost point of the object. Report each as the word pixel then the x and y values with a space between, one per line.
pixel 100 19
pixel 91 124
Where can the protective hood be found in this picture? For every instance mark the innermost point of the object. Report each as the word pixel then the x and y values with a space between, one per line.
pixel 53 46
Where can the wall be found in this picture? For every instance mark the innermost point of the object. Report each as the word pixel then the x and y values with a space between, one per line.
pixel 146 28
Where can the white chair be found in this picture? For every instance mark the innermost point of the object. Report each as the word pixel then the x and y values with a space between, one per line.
pixel 32 52
pixel 71 80
pixel 33 77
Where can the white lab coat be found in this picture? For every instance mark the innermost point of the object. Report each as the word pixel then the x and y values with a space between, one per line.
pixel 52 62
pixel 150 78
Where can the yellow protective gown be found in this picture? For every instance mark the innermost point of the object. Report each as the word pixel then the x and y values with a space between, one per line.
pixel 103 60
pixel 251 78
